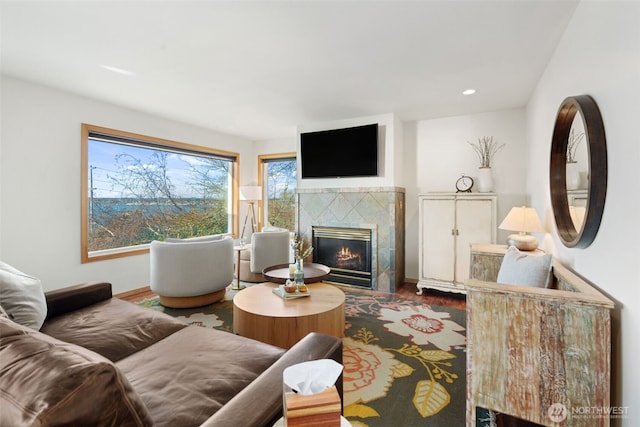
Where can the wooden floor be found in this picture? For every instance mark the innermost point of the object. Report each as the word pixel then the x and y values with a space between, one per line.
pixel 407 291
pixel 432 296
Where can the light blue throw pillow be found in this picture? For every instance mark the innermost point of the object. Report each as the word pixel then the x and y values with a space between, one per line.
pixel 519 268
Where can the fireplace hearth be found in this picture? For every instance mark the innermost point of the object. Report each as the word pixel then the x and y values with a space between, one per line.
pixel 347 252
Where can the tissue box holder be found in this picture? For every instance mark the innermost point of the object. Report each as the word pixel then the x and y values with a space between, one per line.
pixel 315 410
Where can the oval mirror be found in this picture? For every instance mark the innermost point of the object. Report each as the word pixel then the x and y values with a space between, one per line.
pixel 578 191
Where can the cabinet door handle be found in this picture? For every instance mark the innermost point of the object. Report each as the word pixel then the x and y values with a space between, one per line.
pixel 454 232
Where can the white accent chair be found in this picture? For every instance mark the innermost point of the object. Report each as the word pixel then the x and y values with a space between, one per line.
pixel 267 248
pixel 191 272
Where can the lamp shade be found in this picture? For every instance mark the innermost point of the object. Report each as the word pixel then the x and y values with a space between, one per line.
pixel 577 214
pixel 522 220
pixel 250 193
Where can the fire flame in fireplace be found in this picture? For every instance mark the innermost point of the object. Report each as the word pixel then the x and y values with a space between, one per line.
pixel 346 258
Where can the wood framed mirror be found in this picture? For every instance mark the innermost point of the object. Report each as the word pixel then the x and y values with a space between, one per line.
pixel 578 225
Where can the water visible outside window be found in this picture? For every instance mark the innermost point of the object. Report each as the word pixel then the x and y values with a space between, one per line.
pixel 138 194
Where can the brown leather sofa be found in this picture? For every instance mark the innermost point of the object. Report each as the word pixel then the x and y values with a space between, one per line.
pixel 98 360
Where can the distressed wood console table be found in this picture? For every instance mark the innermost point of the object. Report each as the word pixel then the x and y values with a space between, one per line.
pixel 536 354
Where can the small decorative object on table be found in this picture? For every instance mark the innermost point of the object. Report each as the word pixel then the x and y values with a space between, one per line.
pixel 300 252
pixel 290 287
pixel 292 270
pixel 291 291
pixel 464 184
pixel 298 275
pixel 310 396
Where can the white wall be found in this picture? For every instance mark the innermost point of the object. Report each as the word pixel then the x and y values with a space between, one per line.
pixel 275 146
pixel 437 153
pixel 40 177
pixel 599 55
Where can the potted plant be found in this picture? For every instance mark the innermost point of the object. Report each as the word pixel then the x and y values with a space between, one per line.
pixel 486 148
pixel 300 253
pixel 299 250
pixel 573 172
pixel 572 145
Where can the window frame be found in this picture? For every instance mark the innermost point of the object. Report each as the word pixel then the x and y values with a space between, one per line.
pixel 262 160
pixel 87 129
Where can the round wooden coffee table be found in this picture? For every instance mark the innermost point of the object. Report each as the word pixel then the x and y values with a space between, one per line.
pixel 260 314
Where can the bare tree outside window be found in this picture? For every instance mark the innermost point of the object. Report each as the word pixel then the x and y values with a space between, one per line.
pixel 138 192
pixel 279 178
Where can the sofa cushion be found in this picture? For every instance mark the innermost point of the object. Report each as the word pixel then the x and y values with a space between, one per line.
pixel 191 374
pixel 21 297
pixel 47 382
pixel 519 268
pixel 113 328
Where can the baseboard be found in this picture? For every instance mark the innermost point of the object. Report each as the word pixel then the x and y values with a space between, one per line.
pixel 133 292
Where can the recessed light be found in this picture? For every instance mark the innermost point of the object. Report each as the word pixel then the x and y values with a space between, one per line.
pixel 469 92
pixel 117 70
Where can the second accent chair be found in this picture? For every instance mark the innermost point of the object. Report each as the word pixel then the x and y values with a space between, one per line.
pixel 267 248
pixel 191 272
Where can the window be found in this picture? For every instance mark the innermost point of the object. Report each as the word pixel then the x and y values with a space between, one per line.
pixel 277 174
pixel 137 189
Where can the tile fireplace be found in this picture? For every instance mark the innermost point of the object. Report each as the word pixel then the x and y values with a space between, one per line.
pixel 378 210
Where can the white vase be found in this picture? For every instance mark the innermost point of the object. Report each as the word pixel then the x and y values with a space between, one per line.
pixel 573 176
pixel 485 180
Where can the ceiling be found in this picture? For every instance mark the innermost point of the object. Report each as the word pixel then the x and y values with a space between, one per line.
pixel 260 69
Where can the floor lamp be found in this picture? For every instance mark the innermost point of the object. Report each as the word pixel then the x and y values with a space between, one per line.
pixel 250 194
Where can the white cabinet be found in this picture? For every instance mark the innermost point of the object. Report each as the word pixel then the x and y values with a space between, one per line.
pixel 449 224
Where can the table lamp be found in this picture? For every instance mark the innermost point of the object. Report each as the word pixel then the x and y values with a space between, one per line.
pixel 577 214
pixel 523 220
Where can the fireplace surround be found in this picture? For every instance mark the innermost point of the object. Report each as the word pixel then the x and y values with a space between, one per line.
pixel 378 209
pixel 346 251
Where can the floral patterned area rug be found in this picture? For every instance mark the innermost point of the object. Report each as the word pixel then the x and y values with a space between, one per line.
pixel 404 362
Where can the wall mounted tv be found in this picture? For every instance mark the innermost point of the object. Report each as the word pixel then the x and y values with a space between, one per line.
pixel 340 153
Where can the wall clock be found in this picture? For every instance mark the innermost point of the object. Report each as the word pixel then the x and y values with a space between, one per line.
pixel 464 184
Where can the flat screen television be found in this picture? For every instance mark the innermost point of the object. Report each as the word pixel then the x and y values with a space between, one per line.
pixel 340 153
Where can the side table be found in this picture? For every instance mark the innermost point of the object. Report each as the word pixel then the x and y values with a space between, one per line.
pixel 238 250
